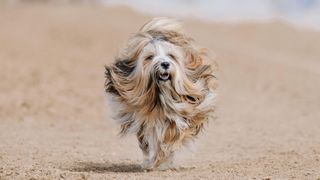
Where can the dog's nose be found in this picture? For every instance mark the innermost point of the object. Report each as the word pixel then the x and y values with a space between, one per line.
pixel 165 65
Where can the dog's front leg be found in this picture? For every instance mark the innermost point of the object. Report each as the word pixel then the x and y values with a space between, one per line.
pixel 160 157
pixel 150 146
pixel 156 153
pixel 144 146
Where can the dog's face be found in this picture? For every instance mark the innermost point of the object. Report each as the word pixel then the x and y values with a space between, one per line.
pixel 160 60
pixel 159 67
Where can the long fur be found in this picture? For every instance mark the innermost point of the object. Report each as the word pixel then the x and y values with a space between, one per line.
pixel 163 115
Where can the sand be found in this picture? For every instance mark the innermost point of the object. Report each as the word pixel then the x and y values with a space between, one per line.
pixel 54 121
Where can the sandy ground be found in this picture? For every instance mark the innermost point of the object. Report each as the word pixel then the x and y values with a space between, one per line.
pixel 54 123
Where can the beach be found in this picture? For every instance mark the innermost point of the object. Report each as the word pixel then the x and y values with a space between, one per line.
pixel 55 123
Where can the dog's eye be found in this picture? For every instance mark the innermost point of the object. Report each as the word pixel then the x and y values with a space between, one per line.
pixel 172 56
pixel 150 57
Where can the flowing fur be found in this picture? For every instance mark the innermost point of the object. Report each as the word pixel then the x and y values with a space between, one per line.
pixel 163 115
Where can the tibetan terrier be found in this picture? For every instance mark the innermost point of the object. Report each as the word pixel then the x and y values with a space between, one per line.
pixel 162 88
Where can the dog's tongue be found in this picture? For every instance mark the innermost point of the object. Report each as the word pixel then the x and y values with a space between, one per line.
pixel 164 76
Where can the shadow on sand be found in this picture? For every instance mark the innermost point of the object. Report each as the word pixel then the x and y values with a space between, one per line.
pixel 105 167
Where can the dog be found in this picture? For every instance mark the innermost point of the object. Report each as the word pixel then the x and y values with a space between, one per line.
pixel 163 89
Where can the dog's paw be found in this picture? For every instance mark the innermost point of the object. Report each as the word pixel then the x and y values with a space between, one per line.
pixel 147 165
pixel 168 165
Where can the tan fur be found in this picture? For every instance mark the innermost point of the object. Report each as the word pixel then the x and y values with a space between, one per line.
pixel 163 114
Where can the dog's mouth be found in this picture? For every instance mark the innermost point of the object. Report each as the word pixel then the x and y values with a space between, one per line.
pixel 164 76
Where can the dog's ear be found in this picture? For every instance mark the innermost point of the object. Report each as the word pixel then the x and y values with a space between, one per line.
pixel 109 85
pixel 124 67
pixel 193 59
pixel 198 63
pixel 117 72
pixel 202 67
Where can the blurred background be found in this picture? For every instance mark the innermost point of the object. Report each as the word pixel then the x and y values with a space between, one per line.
pixel 305 13
pixel 54 122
